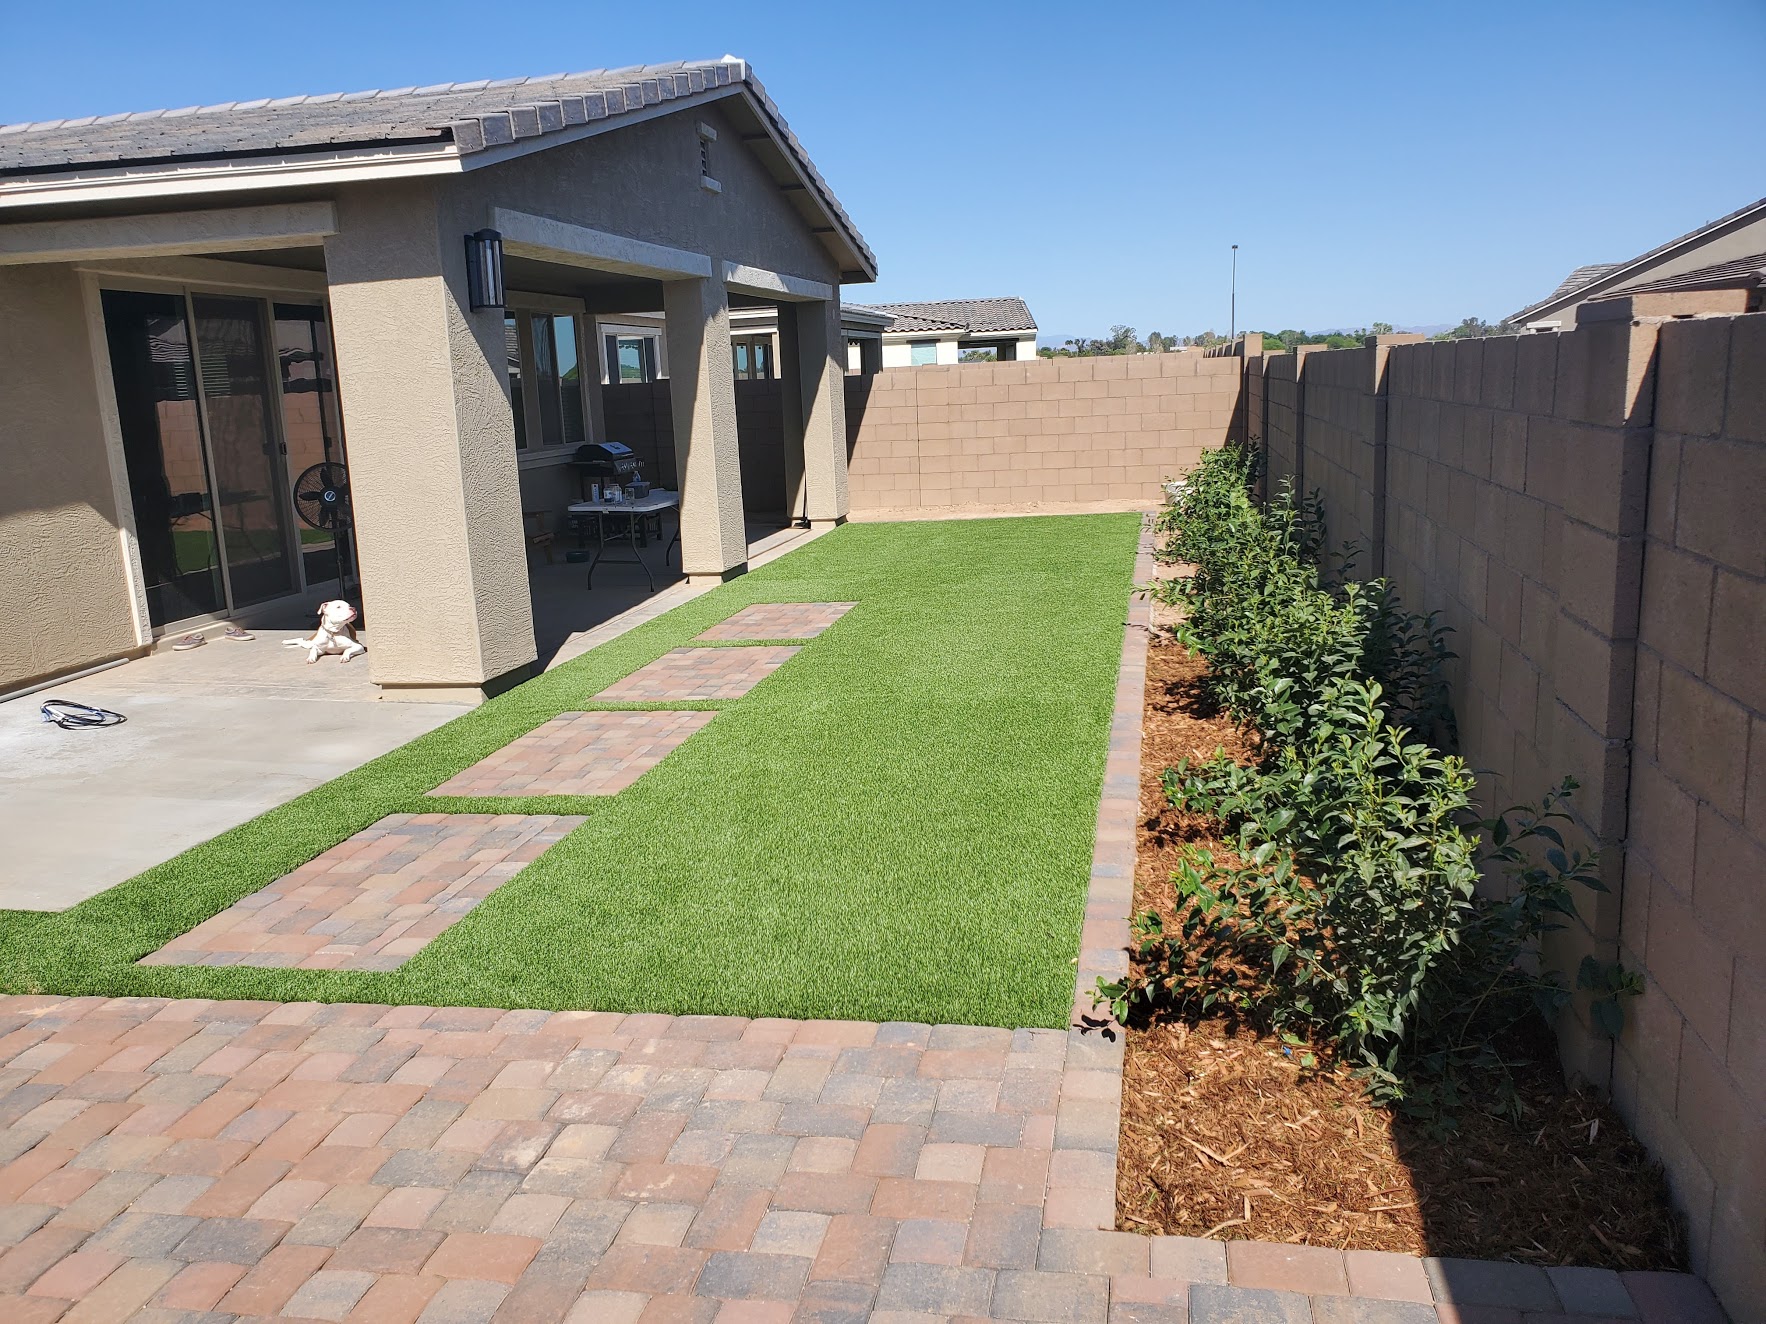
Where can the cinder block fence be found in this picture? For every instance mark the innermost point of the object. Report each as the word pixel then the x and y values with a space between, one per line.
pixel 1587 510
pixel 1042 430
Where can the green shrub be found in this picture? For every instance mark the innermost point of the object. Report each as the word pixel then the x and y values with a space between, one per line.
pixel 1343 904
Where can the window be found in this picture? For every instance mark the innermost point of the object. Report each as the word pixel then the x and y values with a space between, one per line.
pixel 545 379
pixel 923 351
pixel 754 358
pixel 517 397
pixel 631 359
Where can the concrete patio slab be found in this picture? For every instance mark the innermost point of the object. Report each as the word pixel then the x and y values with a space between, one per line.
pixel 374 901
pixel 214 737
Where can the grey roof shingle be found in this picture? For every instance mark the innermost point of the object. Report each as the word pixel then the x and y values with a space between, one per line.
pixel 1598 272
pixel 473 116
pixel 975 316
pixel 1582 276
pixel 1742 273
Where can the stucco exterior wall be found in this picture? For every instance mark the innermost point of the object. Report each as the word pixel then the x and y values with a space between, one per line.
pixel 433 475
pixel 643 181
pixel 64 595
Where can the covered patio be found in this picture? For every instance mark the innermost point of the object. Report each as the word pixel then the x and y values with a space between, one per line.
pixel 402 287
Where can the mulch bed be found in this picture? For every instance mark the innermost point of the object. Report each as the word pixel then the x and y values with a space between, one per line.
pixel 1225 1134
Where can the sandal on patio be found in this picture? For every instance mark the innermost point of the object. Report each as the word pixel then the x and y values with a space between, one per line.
pixel 234 632
pixel 188 642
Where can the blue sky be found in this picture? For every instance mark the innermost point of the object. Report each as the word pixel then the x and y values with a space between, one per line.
pixel 1411 163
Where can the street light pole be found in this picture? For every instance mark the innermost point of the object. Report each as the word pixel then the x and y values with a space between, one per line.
pixel 1232 328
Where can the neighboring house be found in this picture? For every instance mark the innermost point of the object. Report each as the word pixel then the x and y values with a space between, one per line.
pixel 1723 255
pixel 878 336
pixel 942 330
pixel 197 304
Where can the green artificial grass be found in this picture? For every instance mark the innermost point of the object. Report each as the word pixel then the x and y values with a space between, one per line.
pixel 896 825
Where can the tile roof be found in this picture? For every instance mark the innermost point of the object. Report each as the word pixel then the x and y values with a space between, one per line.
pixel 975 316
pixel 1583 276
pixel 472 116
pixel 1742 273
pixel 1602 272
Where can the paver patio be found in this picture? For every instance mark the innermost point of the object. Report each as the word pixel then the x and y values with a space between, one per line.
pixel 777 620
pixel 386 1164
pixel 699 673
pixel 374 901
pixel 213 1160
pixel 598 753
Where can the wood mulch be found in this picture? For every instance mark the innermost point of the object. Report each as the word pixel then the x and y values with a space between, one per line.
pixel 1225 1134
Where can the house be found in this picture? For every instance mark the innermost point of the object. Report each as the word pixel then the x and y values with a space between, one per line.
pixel 198 305
pixel 878 336
pixel 1726 254
pixel 945 330
pixel 634 348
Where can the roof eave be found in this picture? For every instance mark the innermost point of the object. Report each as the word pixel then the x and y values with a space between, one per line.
pixel 1607 283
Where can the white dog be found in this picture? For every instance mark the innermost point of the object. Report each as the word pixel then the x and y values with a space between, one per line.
pixel 335 634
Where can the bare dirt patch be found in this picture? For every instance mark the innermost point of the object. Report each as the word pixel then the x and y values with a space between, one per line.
pixel 1225 1133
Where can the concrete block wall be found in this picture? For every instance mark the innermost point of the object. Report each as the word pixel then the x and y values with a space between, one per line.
pixel 1045 430
pixel 1341 403
pixel 1690 1070
pixel 1584 509
pixel 1281 400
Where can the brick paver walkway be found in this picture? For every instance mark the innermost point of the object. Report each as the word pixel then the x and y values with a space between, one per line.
pixel 699 673
pixel 210 1161
pixel 387 1164
pixel 372 902
pixel 778 620
pixel 598 753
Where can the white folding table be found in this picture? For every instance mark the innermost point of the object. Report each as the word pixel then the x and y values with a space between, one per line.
pixel 628 527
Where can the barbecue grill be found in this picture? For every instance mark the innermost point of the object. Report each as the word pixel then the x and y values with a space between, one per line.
pixel 608 461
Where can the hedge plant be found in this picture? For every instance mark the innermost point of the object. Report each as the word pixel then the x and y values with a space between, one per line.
pixel 1341 904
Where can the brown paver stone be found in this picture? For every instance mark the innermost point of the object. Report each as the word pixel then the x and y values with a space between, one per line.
pixel 777 620
pixel 599 753
pixel 699 673
pixel 369 903
pixel 392 1164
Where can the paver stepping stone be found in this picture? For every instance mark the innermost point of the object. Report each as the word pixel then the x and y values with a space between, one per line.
pixel 578 754
pixel 778 620
pixel 699 673
pixel 374 901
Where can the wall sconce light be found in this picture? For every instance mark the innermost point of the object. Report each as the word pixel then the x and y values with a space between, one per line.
pixel 484 270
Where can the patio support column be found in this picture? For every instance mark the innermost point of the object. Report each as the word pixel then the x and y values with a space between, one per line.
pixel 702 393
pixel 433 481
pixel 791 402
pixel 821 374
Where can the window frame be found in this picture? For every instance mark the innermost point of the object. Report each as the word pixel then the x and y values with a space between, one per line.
pixel 524 306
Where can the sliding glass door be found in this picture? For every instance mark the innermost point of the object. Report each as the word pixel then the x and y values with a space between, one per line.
pixel 251 494
pixel 165 456
pixel 204 409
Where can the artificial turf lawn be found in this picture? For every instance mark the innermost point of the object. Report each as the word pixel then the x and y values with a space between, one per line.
pixel 896 825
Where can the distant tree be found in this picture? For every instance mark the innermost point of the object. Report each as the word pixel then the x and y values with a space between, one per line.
pixel 1476 328
pixel 1382 328
pixel 978 356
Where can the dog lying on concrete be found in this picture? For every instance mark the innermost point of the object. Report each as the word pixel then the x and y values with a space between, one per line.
pixel 336 633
